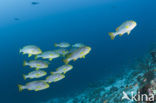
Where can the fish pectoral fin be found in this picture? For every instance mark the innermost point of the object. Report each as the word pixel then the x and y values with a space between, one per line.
pixel 29 55
pixel 36 90
pixel 37 74
pixel 38 86
pixel 82 53
pixel 56 79
pixel 128 32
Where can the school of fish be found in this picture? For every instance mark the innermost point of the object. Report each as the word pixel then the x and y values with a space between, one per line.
pixel 65 50
pixel 40 79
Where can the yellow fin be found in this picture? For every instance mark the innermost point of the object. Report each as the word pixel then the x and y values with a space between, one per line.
pixel 36 90
pixel 52 73
pixel 36 57
pixel 37 68
pixel 55 45
pixel 117 29
pixel 24 77
pixel 50 59
pixel 112 35
pixel 82 53
pixel 24 64
pixel 37 74
pixel 128 32
pixel 20 87
pixel 29 55
pixel 65 61
pixel 63 52
pixel 38 86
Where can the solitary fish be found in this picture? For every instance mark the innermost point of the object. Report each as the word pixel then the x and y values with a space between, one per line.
pixel 34 3
pixel 31 50
pixel 126 27
pixel 35 74
pixel 35 85
pixel 38 64
pixel 78 53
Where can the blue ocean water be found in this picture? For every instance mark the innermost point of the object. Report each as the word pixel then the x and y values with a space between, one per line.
pixel 88 22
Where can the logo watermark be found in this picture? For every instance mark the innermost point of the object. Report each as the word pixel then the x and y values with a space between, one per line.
pixel 138 97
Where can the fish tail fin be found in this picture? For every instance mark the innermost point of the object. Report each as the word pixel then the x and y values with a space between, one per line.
pixel 55 44
pixel 37 68
pixel 25 63
pixel 52 72
pixel 20 87
pixel 29 55
pixel 111 34
pixel 65 61
pixel 20 50
pixel 50 59
pixel 24 76
pixel 36 57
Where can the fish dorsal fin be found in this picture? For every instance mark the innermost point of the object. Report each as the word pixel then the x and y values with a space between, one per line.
pixel 117 29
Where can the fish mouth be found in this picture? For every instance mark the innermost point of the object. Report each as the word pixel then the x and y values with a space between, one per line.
pixel 88 48
pixel 134 23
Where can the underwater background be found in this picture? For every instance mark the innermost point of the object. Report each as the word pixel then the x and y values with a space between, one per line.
pixel 72 21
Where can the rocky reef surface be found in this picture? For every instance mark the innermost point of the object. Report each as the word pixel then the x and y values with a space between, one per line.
pixel 137 85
